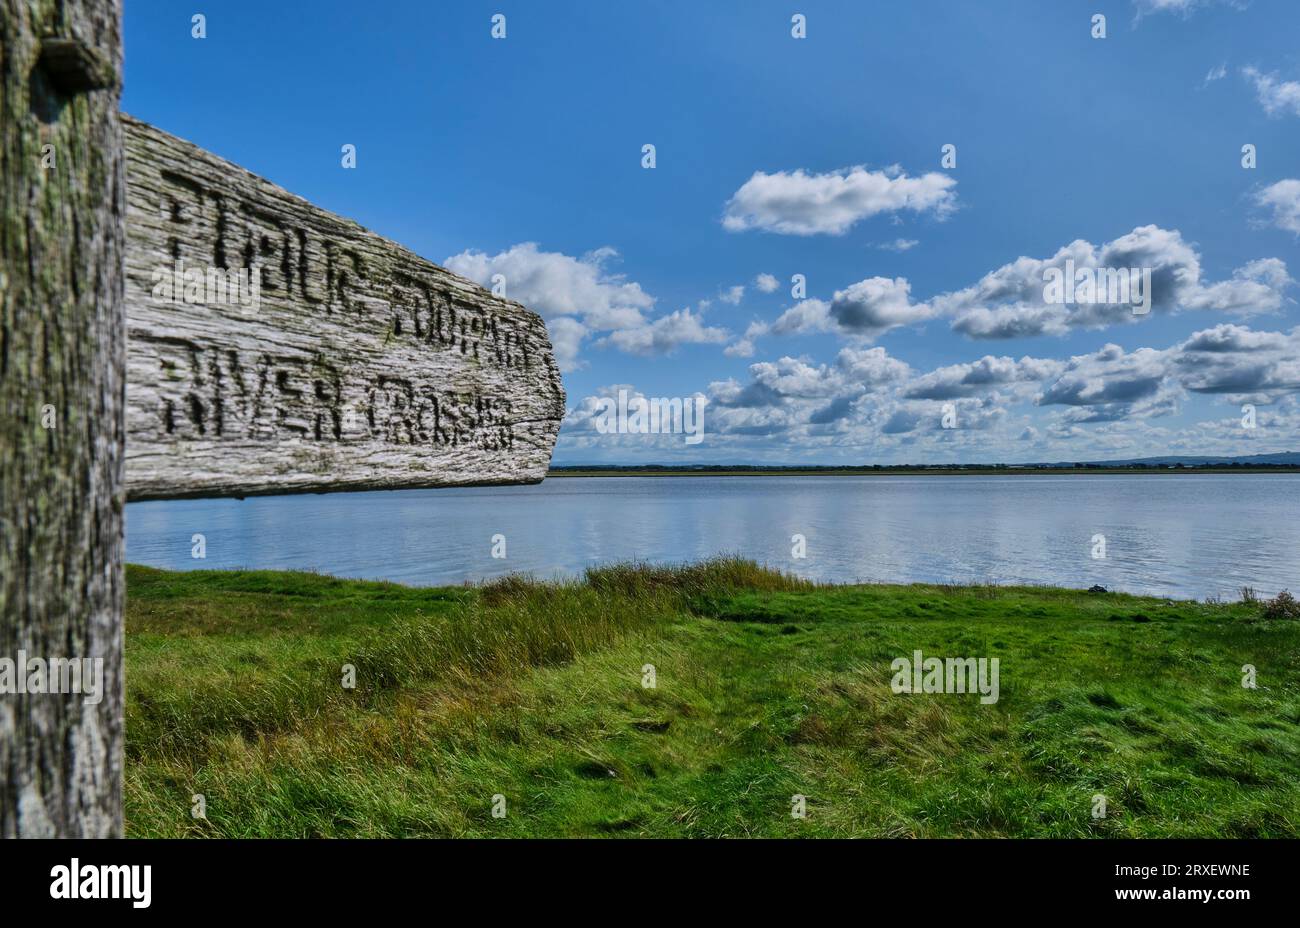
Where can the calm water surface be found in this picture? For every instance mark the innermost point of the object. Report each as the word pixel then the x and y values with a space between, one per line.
pixel 1172 535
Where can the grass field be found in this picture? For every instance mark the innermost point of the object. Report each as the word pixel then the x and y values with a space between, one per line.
pixel 766 687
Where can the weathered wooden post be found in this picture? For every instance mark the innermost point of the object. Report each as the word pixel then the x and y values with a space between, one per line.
pixel 268 346
pixel 62 350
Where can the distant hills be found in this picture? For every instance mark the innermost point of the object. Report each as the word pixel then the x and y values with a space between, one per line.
pixel 1283 458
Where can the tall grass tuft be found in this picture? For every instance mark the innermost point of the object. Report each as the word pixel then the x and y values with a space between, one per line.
pixel 717 576
pixel 1282 606
pixel 505 627
pixel 512 627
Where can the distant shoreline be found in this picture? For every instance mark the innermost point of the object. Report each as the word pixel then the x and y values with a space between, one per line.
pixel 938 471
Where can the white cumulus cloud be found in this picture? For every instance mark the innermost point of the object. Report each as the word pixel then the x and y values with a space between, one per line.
pixel 1283 198
pixel 1278 97
pixel 666 334
pixel 576 296
pixel 800 203
pixel 866 309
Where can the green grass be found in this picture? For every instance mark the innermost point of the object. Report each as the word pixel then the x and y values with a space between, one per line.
pixel 767 686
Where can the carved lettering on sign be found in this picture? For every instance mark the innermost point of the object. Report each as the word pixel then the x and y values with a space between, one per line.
pixel 214 393
pixel 341 361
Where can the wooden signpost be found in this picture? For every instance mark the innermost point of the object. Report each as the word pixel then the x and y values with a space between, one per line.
pixel 275 347
pixel 175 326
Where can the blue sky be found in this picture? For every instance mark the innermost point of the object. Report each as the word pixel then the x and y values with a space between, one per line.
pixel 820 156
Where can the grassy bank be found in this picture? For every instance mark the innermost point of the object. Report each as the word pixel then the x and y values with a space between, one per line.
pixel 766 687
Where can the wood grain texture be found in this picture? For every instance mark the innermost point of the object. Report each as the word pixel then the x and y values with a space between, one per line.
pixel 62 352
pixel 340 361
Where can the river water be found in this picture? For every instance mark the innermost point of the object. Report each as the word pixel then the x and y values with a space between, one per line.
pixel 1192 535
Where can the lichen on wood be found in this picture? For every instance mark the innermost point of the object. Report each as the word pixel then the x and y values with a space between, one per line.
pixel 61 410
